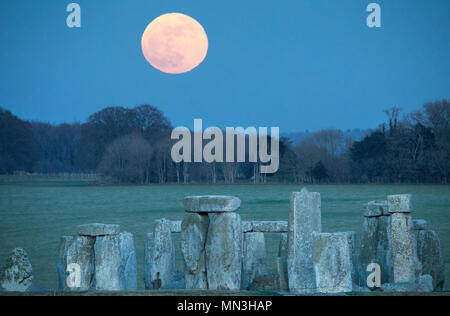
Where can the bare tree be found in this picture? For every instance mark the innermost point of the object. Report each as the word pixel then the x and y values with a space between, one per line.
pixel 128 160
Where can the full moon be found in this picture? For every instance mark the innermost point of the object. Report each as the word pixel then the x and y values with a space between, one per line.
pixel 174 43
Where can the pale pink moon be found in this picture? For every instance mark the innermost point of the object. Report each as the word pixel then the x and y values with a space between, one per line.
pixel 174 43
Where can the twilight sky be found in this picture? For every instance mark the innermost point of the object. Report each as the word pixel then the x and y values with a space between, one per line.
pixel 304 64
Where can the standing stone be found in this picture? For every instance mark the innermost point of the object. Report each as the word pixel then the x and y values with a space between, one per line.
pixel 369 241
pixel 406 266
pixel 107 263
pixel 282 263
pixel 17 274
pixel 375 240
pixel 159 256
pixel 128 266
pixel 76 251
pixel 224 252
pixel 304 225
pixel 419 224
pixel 194 230
pixel 333 262
pixel 430 255
pixel 384 249
pixel 254 256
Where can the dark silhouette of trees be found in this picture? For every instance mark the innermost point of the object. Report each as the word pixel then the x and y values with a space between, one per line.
pixel 111 123
pixel 17 152
pixel 134 146
pixel 57 146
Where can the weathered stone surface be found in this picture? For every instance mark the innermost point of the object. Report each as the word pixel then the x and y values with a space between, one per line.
pixel 194 230
pixel 384 249
pixel 175 226
pixel 333 262
pixel 254 259
pixel 246 226
pixel 97 229
pixel 159 266
pixel 128 266
pixel 178 282
pixel 374 209
pixel 17 274
pixel 304 225
pixel 419 224
pixel 76 251
pixel 429 252
pixel 357 269
pixel 107 263
pixel 266 282
pixel 406 266
pixel 224 252
pixel 211 204
pixel 424 284
pixel 282 263
pixel 401 203
pixel 369 241
pixel 265 226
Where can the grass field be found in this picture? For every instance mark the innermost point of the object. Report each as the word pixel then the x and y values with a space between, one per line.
pixel 35 214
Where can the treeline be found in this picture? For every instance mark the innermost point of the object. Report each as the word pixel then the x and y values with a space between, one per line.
pixel 133 146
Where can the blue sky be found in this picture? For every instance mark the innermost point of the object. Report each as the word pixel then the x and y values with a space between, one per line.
pixel 304 64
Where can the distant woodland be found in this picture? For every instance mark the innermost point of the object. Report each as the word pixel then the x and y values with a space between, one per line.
pixel 132 146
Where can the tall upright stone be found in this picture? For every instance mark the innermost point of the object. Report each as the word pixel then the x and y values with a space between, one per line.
pixel 369 241
pixel 128 265
pixel 254 259
pixel 406 266
pixel 430 255
pixel 224 252
pixel 333 262
pixel 76 253
pixel 384 249
pixel 159 269
pixel 282 263
pixel 375 240
pixel 194 230
pixel 107 263
pixel 304 225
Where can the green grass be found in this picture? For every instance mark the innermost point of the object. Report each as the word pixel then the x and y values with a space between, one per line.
pixel 36 213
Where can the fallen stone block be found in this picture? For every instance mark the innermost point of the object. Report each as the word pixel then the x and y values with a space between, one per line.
pixel 97 229
pixel 211 204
